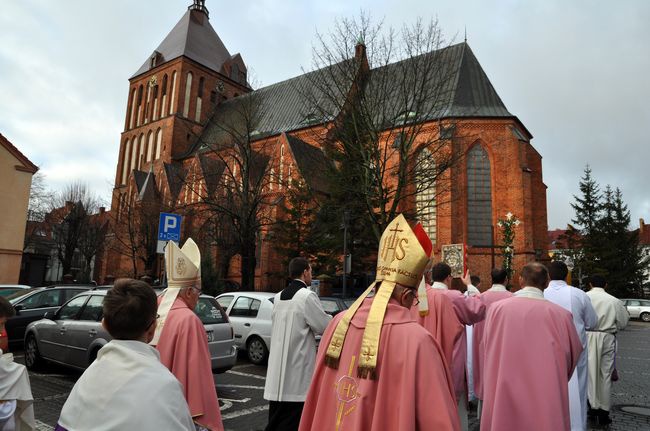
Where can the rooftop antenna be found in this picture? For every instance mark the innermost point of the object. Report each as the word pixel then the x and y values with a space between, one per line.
pixel 466 34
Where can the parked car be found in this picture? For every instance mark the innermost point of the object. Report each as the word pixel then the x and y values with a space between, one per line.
pixel 10 289
pixel 638 308
pixel 333 305
pixel 250 315
pixel 32 304
pixel 73 335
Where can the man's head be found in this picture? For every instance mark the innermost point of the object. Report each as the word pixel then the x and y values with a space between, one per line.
pixel 190 295
pixel 129 310
pixel 499 276
pixel 299 269
pixel 534 274
pixel 441 272
pixel 558 270
pixel 476 280
pixel 406 296
pixel 597 280
pixel 6 312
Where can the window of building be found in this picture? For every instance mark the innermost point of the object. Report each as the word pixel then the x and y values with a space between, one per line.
pixel 141 145
pixel 158 143
pixel 147 110
pixel 149 146
pixel 479 198
pixel 173 95
pixel 199 100
pixel 425 199
pixel 134 154
pixel 125 163
pixel 131 108
pixel 155 102
pixel 188 91
pixel 163 95
pixel 137 123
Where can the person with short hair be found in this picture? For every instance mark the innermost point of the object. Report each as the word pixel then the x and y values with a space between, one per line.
pixel 16 400
pixel 612 317
pixel 181 338
pixel 376 368
pixel 531 350
pixel 298 317
pixel 469 310
pixel 126 387
pixel 495 293
pixel 576 302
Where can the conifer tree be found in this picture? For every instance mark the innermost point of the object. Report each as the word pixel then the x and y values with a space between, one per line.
pixel 588 209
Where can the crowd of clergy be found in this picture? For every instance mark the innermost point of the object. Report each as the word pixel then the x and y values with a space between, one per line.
pixel 409 354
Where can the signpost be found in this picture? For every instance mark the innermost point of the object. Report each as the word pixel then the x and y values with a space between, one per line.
pixel 169 229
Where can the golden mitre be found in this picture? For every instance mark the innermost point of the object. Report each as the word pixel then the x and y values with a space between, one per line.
pixel 183 269
pixel 402 257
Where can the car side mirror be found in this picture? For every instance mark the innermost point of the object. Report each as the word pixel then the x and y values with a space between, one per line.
pixel 19 308
pixel 50 315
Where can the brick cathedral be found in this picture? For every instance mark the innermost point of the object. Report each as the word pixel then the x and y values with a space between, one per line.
pixel 176 91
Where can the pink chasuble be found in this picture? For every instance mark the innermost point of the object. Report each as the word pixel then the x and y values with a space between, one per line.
pixel 441 322
pixel 412 392
pixel 469 310
pixel 488 298
pixel 531 349
pixel 183 348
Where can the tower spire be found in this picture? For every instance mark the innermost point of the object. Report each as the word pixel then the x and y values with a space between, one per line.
pixel 200 6
pixel 466 34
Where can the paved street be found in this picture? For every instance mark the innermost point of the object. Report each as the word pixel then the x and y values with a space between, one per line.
pixel 243 408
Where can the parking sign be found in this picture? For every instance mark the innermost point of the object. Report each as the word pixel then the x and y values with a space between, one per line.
pixel 169 227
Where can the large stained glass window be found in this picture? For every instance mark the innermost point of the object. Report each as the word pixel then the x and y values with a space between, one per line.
pixel 479 198
pixel 425 199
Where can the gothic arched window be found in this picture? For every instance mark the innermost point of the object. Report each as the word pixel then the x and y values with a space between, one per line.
pixel 149 146
pixel 425 198
pixel 131 109
pixel 173 96
pixel 479 197
pixel 137 123
pixel 188 90
pixel 199 100
pixel 158 143
pixel 163 95
pixel 125 162
pixel 141 145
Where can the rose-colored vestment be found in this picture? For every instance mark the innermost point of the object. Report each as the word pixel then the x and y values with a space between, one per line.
pixel 441 322
pixel 413 388
pixel 183 348
pixel 478 349
pixel 531 350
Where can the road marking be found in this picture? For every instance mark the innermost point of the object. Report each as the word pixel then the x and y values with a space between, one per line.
pixel 240 387
pixel 239 373
pixel 244 412
pixel 40 426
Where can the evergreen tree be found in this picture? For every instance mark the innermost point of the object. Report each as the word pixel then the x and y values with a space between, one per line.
pixel 588 209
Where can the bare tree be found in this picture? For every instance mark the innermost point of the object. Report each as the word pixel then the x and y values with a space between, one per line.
pixel 69 219
pixel 236 191
pixel 40 198
pixel 381 92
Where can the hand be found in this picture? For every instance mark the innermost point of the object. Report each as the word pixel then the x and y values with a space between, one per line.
pixel 466 279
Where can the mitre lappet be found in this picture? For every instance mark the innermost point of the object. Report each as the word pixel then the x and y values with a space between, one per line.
pixel 183 267
pixel 404 253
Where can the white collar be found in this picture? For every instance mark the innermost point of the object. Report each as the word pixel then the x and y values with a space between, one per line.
pixel 137 346
pixel 439 285
pixel 557 284
pixel 530 292
pixel 597 289
pixel 497 288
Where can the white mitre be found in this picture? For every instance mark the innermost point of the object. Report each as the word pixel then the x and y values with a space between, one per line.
pixel 183 266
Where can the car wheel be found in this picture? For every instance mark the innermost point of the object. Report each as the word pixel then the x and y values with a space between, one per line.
pixel 645 317
pixel 33 359
pixel 257 351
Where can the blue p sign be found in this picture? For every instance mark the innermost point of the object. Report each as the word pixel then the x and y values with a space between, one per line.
pixel 169 227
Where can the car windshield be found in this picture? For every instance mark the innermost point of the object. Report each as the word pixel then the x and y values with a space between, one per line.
pixel 209 312
pixel 16 296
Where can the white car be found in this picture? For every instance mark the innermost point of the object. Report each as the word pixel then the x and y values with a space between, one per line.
pixel 250 316
pixel 638 308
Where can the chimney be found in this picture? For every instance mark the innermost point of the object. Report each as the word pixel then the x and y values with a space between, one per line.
pixel 360 50
pixel 102 210
pixel 641 226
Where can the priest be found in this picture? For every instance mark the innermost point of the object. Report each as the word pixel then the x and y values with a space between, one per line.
pixel 494 294
pixel 531 350
pixel 576 302
pixel 376 368
pixel 180 336
pixel 612 317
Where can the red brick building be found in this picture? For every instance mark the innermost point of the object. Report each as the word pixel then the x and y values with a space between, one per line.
pixel 185 81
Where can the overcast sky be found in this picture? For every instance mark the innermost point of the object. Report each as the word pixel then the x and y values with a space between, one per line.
pixel 576 73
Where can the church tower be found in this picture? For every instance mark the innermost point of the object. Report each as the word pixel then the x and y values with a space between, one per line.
pixel 172 94
pixel 170 99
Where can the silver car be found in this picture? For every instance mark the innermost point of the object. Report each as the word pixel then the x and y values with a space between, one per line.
pixel 73 334
pixel 638 308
